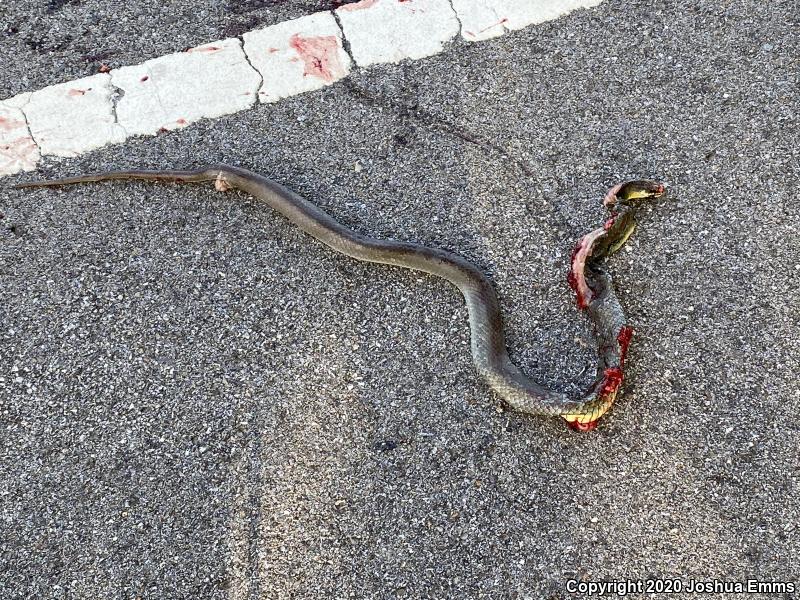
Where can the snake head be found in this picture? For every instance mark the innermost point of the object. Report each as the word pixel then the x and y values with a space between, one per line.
pixel 633 190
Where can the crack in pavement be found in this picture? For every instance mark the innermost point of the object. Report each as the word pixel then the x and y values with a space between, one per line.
pixel 249 62
pixel 116 95
pixel 12 148
pixel 345 42
pixel 27 123
pixel 458 18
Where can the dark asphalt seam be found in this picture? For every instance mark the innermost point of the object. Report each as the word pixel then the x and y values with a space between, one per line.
pixel 427 119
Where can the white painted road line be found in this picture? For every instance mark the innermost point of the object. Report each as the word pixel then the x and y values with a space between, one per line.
pixel 74 117
pixel 485 19
pixel 388 31
pixel 224 77
pixel 481 19
pixel 522 13
pixel 297 56
pixel 18 151
pixel 173 91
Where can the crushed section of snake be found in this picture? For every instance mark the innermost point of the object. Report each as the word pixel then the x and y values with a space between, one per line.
pixel 593 290
pixel 591 283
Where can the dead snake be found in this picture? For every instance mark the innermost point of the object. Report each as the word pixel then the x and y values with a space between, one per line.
pixel 591 283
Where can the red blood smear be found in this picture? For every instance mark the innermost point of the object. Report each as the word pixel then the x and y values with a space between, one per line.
pixel 21 149
pixel 145 78
pixel 500 22
pixel 572 278
pixel 8 124
pixel 320 56
pixel 624 339
pixel 612 380
pixel 76 92
pixel 206 49
pixel 358 5
pixel 582 426
pixel 609 224
pixel 181 121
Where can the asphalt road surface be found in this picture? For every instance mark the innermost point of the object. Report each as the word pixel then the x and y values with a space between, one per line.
pixel 198 401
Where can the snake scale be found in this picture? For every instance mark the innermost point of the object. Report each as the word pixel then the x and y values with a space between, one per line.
pixel 591 283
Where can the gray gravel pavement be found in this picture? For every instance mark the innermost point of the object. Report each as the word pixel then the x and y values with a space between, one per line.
pixel 197 401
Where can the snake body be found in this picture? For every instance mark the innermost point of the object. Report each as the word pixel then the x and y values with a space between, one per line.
pixel 591 283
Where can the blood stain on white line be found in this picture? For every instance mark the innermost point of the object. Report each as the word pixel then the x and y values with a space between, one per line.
pixel 74 117
pixel 18 151
pixel 297 56
pixel 320 56
pixel 207 49
pixel 502 21
pixel 358 5
pixel 8 124
pixel 22 151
